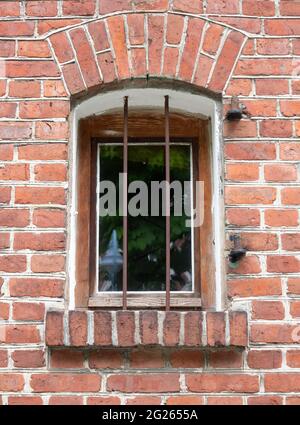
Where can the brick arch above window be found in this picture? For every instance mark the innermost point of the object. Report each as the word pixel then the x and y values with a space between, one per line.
pixel 140 45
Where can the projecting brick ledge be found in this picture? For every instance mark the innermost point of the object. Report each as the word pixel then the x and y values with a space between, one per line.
pixel 146 328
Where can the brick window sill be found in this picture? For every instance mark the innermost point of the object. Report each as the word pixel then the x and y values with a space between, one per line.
pixel 121 329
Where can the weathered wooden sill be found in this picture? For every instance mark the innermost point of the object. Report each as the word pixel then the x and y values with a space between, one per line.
pixel 142 302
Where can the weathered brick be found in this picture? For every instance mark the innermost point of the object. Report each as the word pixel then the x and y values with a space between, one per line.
pixel 291 241
pixel 136 27
pixel 54 88
pixel 242 172
pixel 250 195
pixel 28 311
pixel 105 359
pixel 215 328
pixel 225 359
pixel 30 359
pixel 276 128
pixel 106 64
pixel 66 359
pixel 15 130
pixel 281 218
pixel 212 39
pixel 99 35
pixel 85 57
pixel 117 33
pixel 250 151
pixel 140 400
pixel 254 287
pixel 229 6
pixel 290 196
pixel 245 217
pixel 19 334
pixel 187 359
pixel 167 382
pixel 283 264
pixel 283 382
pixel 193 328
pixel 78 328
pixel 282 333
pixel 146 359
pixel 24 401
pixel 73 78
pixel 43 217
pixel 148 327
pixel 51 151
pixel 34 49
pixel 46 172
pixel 224 401
pixel 138 62
pixel 24 88
pixel 185 400
pixel 11 382
pixel 3 358
pixel 156 31
pixel 259 8
pixel 13 263
pixel 62 47
pixel 293 358
pixel 35 287
pixel 75 7
pixel 271 86
pixel 4 311
pixel 295 308
pixel 102 328
pixel 44 109
pixel 188 6
pixel 238 328
pixel 204 383
pixel 31 68
pixel 264 359
pixel 65 400
pixel 267 310
pixel 226 61
pixel 16 28
pixel 188 58
pixel 47 263
pixel 126 328
pixel 65 383
pixel 171 328
pixel 40 195
pixel 54 331
pixel 265 401
pixel 39 241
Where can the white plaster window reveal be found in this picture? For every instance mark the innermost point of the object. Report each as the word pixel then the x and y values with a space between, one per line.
pixel 153 98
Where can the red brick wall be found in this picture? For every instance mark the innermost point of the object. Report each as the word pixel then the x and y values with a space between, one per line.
pixel 51 51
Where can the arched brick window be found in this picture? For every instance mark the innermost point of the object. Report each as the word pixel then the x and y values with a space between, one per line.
pixel 127 55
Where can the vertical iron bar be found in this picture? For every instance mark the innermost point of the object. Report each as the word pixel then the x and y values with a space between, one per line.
pixel 125 203
pixel 167 169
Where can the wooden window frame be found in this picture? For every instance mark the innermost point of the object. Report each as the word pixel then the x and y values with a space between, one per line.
pixel 109 128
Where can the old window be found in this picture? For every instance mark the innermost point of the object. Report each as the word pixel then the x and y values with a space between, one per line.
pixel 178 262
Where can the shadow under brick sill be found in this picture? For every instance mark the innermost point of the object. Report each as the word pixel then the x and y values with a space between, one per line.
pixel 145 328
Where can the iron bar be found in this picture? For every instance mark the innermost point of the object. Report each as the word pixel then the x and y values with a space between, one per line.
pixel 167 201
pixel 125 204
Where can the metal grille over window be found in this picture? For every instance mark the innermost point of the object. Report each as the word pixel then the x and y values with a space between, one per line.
pixel 144 244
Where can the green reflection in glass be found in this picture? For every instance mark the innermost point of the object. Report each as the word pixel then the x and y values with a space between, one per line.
pixel 146 234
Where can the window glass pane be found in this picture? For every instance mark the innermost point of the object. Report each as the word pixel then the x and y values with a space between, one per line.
pixel 146 234
pixel 146 220
pixel 110 227
pixel 181 236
